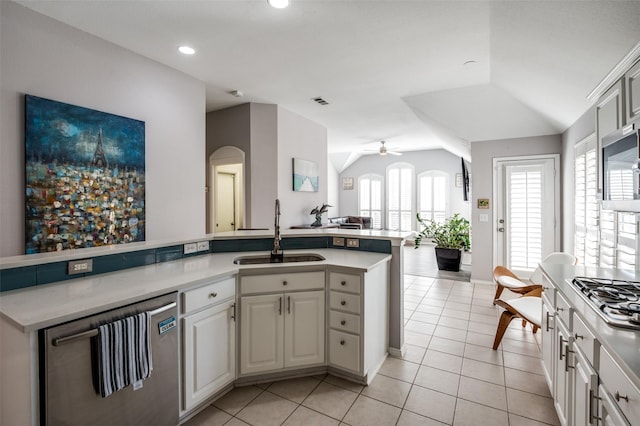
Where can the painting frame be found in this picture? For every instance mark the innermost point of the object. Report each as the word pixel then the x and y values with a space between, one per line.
pixel 84 177
pixel 305 175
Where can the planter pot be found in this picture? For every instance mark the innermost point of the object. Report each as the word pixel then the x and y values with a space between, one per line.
pixel 448 259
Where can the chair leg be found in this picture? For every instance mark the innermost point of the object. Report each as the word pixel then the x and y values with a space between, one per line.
pixel 524 322
pixel 505 319
pixel 535 328
pixel 498 292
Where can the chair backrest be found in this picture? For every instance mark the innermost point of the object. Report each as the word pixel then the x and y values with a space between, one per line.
pixel 558 258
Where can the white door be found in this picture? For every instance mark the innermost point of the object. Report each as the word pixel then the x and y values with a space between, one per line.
pixel 304 328
pixel 210 360
pixel 526 212
pixel 261 333
pixel 225 202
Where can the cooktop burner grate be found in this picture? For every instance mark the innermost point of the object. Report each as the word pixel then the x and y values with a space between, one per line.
pixel 617 301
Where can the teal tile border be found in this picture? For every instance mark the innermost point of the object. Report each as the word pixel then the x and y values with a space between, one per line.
pixel 16 278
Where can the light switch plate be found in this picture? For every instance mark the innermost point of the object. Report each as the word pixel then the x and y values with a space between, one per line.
pixel 203 245
pixel 484 218
pixel 353 242
pixel 190 248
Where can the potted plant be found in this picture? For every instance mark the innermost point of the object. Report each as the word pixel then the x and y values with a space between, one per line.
pixel 450 236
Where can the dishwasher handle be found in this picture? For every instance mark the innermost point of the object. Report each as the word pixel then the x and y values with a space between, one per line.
pixel 94 331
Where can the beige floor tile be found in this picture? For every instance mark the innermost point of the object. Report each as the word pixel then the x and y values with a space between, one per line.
pixel 471 414
pixel 479 339
pixel 515 420
pixel 399 369
pixel 410 305
pixel 267 409
pixel 483 393
pixel 453 322
pixel 483 371
pixel 450 333
pixel 441 344
pixel 210 416
pixel 344 384
pixel 330 400
pixel 443 361
pixel 438 380
pixel 429 300
pixel 417 339
pixel 460 298
pixel 485 310
pixel 389 390
pixel 416 291
pixel 295 390
pixel 522 348
pixel 524 334
pixel 432 404
pixel 425 317
pixel 409 297
pixel 480 327
pixel 532 406
pixel 427 309
pixel 420 327
pixel 263 385
pixel 523 362
pixel 407 418
pixel 414 353
pixel 527 382
pixel 307 417
pixel 367 411
pixel 236 422
pixel 480 353
pixel 237 399
pixel 455 313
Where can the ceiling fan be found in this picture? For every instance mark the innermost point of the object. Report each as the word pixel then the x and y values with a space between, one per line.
pixel 384 151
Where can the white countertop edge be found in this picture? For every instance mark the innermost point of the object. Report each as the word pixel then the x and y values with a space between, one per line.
pixel 38 307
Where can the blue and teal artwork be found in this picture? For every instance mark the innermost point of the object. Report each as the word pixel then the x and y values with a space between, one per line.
pixel 305 176
pixel 85 177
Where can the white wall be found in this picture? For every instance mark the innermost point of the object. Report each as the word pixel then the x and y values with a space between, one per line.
pixel 483 154
pixel 301 138
pixel 43 57
pixel 333 194
pixel 422 161
pixel 263 161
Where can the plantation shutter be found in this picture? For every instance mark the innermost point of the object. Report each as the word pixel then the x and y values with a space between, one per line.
pixel 586 203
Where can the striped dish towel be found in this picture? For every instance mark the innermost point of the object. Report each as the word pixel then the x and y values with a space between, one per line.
pixel 124 353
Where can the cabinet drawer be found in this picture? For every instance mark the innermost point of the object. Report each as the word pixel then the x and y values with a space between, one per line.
pixel 344 322
pixel 584 339
pixel 282 282
pixel 207 295
pixel 344 282
pixel 344 302
pixel 344 350
pixel 564 310
pixel 624 393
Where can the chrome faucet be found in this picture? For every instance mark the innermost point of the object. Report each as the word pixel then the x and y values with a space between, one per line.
pixel 276 253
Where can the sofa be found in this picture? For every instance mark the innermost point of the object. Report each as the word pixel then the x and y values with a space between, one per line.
pixel 352 222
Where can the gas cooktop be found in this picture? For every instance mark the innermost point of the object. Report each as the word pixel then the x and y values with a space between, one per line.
pixel 617 301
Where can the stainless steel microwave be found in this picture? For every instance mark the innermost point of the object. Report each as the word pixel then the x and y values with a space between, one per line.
pixel 620 169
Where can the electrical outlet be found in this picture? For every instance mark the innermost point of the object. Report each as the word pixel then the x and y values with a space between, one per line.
pixel 203 245
pixel 190 248
pixel 353 242
pixel 80 266
pixel 338 241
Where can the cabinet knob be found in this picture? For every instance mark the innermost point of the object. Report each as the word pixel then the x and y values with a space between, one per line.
pixel 343 303
pixel 342 343
pixel 284 283
pixel 343 283
pixel 214 294
pixel 577 336
pixel 343 322
pixel 619 397
pixel 559 309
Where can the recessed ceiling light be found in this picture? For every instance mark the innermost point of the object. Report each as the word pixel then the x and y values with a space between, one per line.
pixel 187 50
pixel 278 4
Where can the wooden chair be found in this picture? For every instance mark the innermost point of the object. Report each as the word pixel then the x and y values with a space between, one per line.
pixel 528 308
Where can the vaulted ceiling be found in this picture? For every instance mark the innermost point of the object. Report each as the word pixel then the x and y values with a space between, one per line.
pixel 418 74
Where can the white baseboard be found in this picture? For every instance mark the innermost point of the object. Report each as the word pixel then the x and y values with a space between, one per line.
pixel 398 353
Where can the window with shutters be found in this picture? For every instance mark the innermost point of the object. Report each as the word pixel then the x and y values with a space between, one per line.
pixel 586 202
pixel 370 198
pixel 433 202
pixel 400 197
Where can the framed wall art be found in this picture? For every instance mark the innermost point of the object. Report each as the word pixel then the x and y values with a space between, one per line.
pixel 347 183
pixel 84 175
pixel 305 176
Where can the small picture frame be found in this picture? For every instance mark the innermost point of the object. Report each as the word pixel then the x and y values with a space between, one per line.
pixel 347 183
pixel 483 203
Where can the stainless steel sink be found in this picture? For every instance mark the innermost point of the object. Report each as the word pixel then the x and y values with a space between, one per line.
pixel 265 258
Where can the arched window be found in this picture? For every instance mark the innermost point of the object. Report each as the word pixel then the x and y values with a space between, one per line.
pixel 400 197
pixel 433 195
pixel 370 198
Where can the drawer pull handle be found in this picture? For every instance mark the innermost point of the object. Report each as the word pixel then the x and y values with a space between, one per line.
pixel 284 283
pixel 560 309
pixel 342 342
pixel 343 283
pixel 343 303
pixel 214 294
pixel 548 316
pixel 343 322
pixel 577 336
pixel 619 397
pixel 233 315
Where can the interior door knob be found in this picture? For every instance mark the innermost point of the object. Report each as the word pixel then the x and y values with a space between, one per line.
pixel 500 229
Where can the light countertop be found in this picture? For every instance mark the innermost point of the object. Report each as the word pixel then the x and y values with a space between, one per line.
pixel 42 306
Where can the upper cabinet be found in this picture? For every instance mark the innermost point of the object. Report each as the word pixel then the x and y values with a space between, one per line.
pixel 632 85
pixel 609 110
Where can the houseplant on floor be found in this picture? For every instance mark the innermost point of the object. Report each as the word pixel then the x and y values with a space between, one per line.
pixel 450 236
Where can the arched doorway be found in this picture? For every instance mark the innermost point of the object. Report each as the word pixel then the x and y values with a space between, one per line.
pixel 226 195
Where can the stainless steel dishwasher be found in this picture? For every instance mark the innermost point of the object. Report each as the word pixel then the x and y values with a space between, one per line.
pixel 68 385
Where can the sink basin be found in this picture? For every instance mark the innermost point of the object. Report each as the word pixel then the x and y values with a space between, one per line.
pixel 265 258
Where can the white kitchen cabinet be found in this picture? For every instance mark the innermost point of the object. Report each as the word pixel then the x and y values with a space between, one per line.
pixel 548 340
pixel 209 341
pixel 304 329
pixel 632 86
pixel 562 394
pixel 608 412
pixel 585 382
pixel 262 333
pixel 617 384
pixel 610 116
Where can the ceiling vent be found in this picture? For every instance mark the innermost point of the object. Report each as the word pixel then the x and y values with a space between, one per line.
pixel 321 101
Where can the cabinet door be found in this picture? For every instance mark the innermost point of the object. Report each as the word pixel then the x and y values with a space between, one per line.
pixel 548 344
pixel 609 116
pixel 562 395
pixel 304 328
pixel 585 382
pixel 609 413
pixel 261 331
pixel 632 83
pixel 209 353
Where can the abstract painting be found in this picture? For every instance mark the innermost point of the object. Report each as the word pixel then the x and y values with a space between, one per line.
pixel 84 175
pixel 305 176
